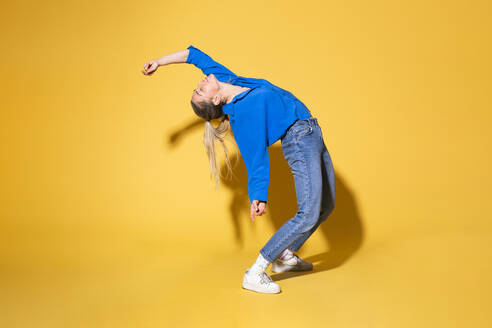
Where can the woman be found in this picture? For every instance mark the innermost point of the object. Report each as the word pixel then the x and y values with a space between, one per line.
pixel 259 114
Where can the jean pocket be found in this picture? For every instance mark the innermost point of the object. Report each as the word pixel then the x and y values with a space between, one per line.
pixel 303 131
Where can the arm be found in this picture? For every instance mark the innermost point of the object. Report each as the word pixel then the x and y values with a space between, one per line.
pixel 209 65
pixel 252 141
pixel 259 173
pixel 194 56
pixel 174 58
pixel 258 168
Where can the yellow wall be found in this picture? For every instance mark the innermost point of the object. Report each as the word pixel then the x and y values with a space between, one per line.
pixel 108 215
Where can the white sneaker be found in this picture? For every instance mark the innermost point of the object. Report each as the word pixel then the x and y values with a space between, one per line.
pixel 260 282
pixel 295 263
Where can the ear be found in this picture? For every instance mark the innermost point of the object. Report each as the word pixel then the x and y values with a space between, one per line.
pixel 216 100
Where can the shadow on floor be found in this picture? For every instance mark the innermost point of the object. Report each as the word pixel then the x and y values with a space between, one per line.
pixel 342 230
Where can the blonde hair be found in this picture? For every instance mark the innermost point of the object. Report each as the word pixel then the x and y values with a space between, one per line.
pixel 208 111
pixel 210 136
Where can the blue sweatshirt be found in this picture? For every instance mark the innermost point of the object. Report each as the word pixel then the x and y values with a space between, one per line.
pixel 259 117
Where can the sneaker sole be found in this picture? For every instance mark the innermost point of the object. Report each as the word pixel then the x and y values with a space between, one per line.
pixel 249 286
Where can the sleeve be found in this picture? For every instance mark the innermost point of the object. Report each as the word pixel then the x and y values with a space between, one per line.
pixel 252 141
pixel 208 65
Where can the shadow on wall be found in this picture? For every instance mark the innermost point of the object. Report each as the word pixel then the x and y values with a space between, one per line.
pixel 342 230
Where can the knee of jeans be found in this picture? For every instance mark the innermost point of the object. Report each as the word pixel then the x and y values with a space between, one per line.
pixel 307 220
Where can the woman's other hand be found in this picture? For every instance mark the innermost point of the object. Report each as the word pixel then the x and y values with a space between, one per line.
pixel 150 67
pixel 257 208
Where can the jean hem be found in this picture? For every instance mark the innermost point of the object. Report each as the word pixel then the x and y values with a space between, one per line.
pixel 267 257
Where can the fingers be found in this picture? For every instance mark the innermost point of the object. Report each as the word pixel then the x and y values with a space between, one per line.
pixel 149 68
pixel 257 209
pixel 261 208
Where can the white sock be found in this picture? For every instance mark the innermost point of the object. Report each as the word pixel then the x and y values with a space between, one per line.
pixel 286 254
pixel 260 265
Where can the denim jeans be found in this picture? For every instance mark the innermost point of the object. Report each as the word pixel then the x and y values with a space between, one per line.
pixel 310 162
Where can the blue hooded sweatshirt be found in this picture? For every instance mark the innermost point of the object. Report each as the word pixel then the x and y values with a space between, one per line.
pixel 259 117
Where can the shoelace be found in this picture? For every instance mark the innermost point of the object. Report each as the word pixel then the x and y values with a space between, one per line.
pixel 265 279
pixel 294 256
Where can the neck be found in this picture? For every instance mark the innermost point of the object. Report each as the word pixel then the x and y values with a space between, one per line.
pixel 229 91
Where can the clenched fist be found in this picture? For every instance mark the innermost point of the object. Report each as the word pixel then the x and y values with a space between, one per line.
pixel 150 67
pixel 257 208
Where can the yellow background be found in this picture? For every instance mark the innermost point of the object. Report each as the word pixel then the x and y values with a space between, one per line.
pixel 109 217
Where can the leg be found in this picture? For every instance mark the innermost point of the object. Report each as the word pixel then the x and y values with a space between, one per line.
pixel 328 199
pixel 302 149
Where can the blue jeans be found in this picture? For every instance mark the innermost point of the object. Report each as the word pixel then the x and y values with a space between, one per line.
pixel 305 151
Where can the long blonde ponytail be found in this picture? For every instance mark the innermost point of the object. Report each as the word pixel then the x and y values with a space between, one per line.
pixel 210 136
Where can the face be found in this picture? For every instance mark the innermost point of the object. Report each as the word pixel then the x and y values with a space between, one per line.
pixel 207 90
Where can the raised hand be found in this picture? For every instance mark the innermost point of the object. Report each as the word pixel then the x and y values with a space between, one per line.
pixel 150 67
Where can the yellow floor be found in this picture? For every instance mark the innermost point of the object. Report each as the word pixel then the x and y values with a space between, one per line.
pixel 108 218
pixel 123 279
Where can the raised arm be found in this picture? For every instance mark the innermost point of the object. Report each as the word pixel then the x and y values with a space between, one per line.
pixel 194 56
pixel 174 58
pixel 209 65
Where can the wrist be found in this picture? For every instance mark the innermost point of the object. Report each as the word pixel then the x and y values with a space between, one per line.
pixel 161 61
